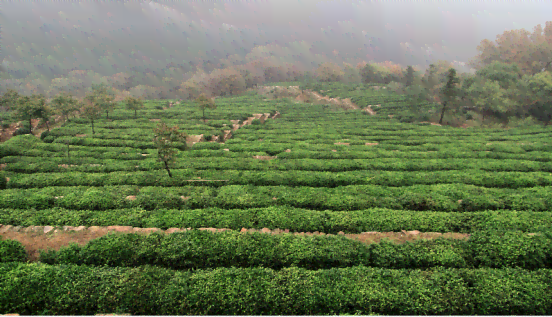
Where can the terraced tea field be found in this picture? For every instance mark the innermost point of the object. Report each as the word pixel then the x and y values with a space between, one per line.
pixel 355 213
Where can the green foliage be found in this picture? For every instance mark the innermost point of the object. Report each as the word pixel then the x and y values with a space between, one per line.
pixel 3 181
pixel 21 131
pixel 205 103
pixel 373 74
pixel 506 74
pixel 44 134
pixel 64 104
pixel 12 251
pixel 102 97
pixel 134 104
pixel 91 111
pixel 73 290
pixel 536 93
pixel 197 249
pixel 409 76
pixel 164 140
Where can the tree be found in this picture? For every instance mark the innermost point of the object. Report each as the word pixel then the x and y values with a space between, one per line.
pixel 372 74
pixel 274 74
pixel 350 74
pixel 449 92
pixel 416 94
pixel 409 76
pixel 64 104
pixel 92 112
pixel 507 75
pixel 164 139
pixel 9 99
pixel 490 99
pixel 531 52
pixel 45 112
pixel 203 102
pixel 330 72
pixel 535 94
pixel 133 104
pixel 103 97
pixel 29 108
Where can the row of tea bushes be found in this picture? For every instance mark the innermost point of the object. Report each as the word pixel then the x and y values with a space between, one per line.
pixel 290 178
pixel 198 249
pixel 294 219
pixel 84 290
pixel 83 164
pixel 451 198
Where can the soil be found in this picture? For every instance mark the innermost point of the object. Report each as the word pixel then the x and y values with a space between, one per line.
pixel 305 96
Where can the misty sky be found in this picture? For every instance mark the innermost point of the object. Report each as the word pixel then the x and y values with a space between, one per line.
pixel 54 37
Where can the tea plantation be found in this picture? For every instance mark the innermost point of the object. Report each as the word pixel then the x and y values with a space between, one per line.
pixel 313 168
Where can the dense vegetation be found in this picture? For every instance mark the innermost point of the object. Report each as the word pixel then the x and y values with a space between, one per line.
pixel 314 168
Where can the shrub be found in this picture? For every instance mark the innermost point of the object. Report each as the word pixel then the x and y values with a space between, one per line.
pixel 44 134
pixel 3 181
pixel 159 107
pixel 256 122
pixel 23 130
pixel 11 250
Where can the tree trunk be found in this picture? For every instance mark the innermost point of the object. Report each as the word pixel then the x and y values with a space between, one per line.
pixel 167 168
pixel 203 115
pixel 443 112
pixel 47 126
pixel 31 126
pixel 68 150
pixel 107 114
pixel 135 114
pixel 92 126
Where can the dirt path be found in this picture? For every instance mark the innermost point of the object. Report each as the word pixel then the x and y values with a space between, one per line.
pixel 306 96
pixel 37 238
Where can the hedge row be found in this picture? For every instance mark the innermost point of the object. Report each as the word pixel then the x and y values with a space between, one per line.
pixel 39 289
pixel 83 164
pixel 198 249
pixel 290 178
pixel 444 197
pixel 294 219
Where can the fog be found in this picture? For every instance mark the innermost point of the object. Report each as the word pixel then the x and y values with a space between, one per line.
pixel 42 40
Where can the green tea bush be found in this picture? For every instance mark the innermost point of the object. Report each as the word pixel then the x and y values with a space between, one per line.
pixel 12 251
pixel 44 135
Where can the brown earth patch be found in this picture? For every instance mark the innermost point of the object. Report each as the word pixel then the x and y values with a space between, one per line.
pixel 155 120
pixel 370 144
pixel 80 135
pixel 369 110
pixel 65 165
pixel 260 157
pixel 341 143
